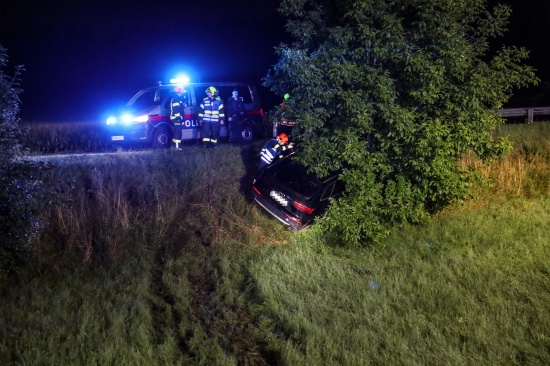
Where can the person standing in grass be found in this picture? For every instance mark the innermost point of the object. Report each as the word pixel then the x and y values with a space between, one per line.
pixel 235 110
pixel 211 116
pixel 177 108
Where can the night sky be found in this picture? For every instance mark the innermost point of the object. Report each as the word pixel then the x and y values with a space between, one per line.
pixel 84 57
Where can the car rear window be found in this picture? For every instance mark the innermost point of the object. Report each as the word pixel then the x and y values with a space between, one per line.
pixel 295 177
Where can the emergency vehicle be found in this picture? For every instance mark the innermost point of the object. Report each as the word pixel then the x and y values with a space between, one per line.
pixel 146 117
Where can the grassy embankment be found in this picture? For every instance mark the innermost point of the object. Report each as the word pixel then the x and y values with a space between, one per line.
pixel 160 258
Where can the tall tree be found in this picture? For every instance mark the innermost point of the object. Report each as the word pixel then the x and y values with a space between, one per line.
pixel 392 93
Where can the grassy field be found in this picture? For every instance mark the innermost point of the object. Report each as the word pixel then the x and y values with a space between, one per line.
pixel 160 258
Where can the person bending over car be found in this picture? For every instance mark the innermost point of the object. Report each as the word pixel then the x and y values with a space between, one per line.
pixel 274 148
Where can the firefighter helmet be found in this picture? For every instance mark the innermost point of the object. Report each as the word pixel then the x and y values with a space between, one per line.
pixel 286 96
pixel 211 89
pixel 282 138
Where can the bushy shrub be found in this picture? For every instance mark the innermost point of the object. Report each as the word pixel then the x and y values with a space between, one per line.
pixel 393 93
pixel 19 182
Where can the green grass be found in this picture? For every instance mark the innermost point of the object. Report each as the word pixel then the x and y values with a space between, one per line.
pixel 161 258
pixel 84 315
pixel 465 289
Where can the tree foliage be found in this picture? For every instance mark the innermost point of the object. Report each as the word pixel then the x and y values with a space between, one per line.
pixel 20 187
pixel 392 93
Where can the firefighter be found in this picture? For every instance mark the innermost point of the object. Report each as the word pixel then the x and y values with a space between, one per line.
pixel 177 108
pixel 284 125
pixel 274 148
pixel 211 116
pixel 235 110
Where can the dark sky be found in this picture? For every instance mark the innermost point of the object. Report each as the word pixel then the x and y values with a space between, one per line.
pixel 83 57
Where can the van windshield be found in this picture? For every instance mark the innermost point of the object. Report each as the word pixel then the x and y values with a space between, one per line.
pixel 148 98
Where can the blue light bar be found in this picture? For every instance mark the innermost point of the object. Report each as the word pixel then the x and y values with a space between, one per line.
pixel 181 80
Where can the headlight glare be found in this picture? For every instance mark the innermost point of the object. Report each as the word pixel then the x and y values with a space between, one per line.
pixel 141 119
pixel 126 119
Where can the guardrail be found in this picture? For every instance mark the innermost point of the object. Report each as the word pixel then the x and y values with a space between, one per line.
pixel 529 112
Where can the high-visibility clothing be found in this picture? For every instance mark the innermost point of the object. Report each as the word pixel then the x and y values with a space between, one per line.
pixel 212 110
pixel 177 108
pixel 271 150
pixel 211 113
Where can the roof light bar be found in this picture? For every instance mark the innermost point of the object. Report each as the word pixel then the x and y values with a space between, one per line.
pixel 180 80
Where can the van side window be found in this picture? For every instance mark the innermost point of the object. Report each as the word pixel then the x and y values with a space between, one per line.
pixel 223 93
pixel 195 95
pixel 247 95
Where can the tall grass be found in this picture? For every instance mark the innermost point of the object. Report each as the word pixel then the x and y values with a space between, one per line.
pixel 62 137
pixel 110 203
pixel 160 257
pixel 524 172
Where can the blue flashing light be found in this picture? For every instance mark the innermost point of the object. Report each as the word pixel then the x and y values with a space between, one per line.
pixel 180 79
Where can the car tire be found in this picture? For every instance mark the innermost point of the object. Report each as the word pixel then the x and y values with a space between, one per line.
pixel 162 138
pixel 247 133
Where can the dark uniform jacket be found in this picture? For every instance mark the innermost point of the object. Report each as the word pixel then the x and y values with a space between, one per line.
pixel 234 107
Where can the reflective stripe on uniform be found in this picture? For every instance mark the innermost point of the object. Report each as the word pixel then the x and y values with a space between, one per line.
pixel 267 156
pixel 211 110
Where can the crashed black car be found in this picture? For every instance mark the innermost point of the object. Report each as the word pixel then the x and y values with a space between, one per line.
pixel 289 193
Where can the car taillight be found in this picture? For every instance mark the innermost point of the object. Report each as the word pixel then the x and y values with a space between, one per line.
pixel 257 190
pixel 303 208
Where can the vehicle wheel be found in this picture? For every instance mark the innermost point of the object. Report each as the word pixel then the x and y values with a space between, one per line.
pixel 247 133
pixel 162 139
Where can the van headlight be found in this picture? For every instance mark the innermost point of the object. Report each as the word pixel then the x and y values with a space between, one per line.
pixel 127 119
pixel 141 119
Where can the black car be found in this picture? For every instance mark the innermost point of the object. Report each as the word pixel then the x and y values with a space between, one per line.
pixel 288 192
